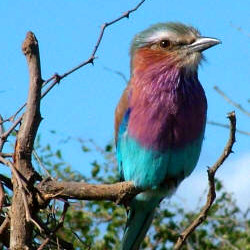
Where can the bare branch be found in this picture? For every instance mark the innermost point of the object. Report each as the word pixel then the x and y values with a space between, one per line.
pixel 119 192
pixel 228 126
pixel 59 225
pixel 240 29
pixel 41 163
pixel 55 240
pixel 32 118
pixel 2 196
pixel 229 100
pixel 119 73
pixel 4 225
pixel 22 202
pixel 86 247
pixel 57 78
pixel 103 27
pixel 4 232
pixel 2 140
pixel 228 148
pixel 211 193
pixel 6 134
pixel 6 155
pixel 22 188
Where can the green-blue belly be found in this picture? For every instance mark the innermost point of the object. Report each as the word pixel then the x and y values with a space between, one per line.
pixel 149 168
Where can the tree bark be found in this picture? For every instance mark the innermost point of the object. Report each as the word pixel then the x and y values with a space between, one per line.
pixel 119 192
pixel 24 177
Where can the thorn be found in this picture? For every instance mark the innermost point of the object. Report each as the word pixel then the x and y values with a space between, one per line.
pixel 11 119
pixel 91 60
pixel 231 114
pixel 104 25
pixel 181 236
pixel 57 77
pixel 231 151
pixel 126 14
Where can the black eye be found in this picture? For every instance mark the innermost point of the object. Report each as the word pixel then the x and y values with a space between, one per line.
pixel 164 43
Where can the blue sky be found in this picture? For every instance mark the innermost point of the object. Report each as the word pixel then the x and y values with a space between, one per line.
pixel 83 104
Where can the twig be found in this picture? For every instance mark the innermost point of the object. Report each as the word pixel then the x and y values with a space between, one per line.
pixel 6 134
pixel 117 72
pixel 6 155
pixel 227 126
pixel 240 29
pixel 87 247
pixel 58 226
pixel 55 240
pixel 4 231
pixel 41 163
pixel 2 196
pixel 13 117
pixel 211 193
pixel 22 188
pixel 4 225
pixel 2 140
pixel 237 105
pixel 226 242
pixel 103 27
pixel 20 184
pixel 57 78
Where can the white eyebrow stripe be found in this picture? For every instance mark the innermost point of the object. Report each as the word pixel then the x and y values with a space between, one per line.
pixel 159 35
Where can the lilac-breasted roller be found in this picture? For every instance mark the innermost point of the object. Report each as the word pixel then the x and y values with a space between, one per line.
pixel 160 119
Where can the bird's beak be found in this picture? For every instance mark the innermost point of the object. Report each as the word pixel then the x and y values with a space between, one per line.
pixel 202 43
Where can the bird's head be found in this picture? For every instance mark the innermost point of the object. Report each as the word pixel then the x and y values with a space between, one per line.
pixel 172 44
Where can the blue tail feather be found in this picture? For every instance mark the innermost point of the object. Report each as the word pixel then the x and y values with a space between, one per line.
pixel 140 216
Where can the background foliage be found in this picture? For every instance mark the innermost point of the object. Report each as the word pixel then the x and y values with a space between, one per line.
pixel 99 225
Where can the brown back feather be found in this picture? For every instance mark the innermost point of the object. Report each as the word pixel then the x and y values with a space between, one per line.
pixel 120 110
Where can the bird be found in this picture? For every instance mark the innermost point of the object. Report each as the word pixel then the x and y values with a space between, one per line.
pixel 160 119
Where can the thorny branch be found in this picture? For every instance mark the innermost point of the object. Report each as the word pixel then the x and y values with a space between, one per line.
pixel 57 78
pixel 211 193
